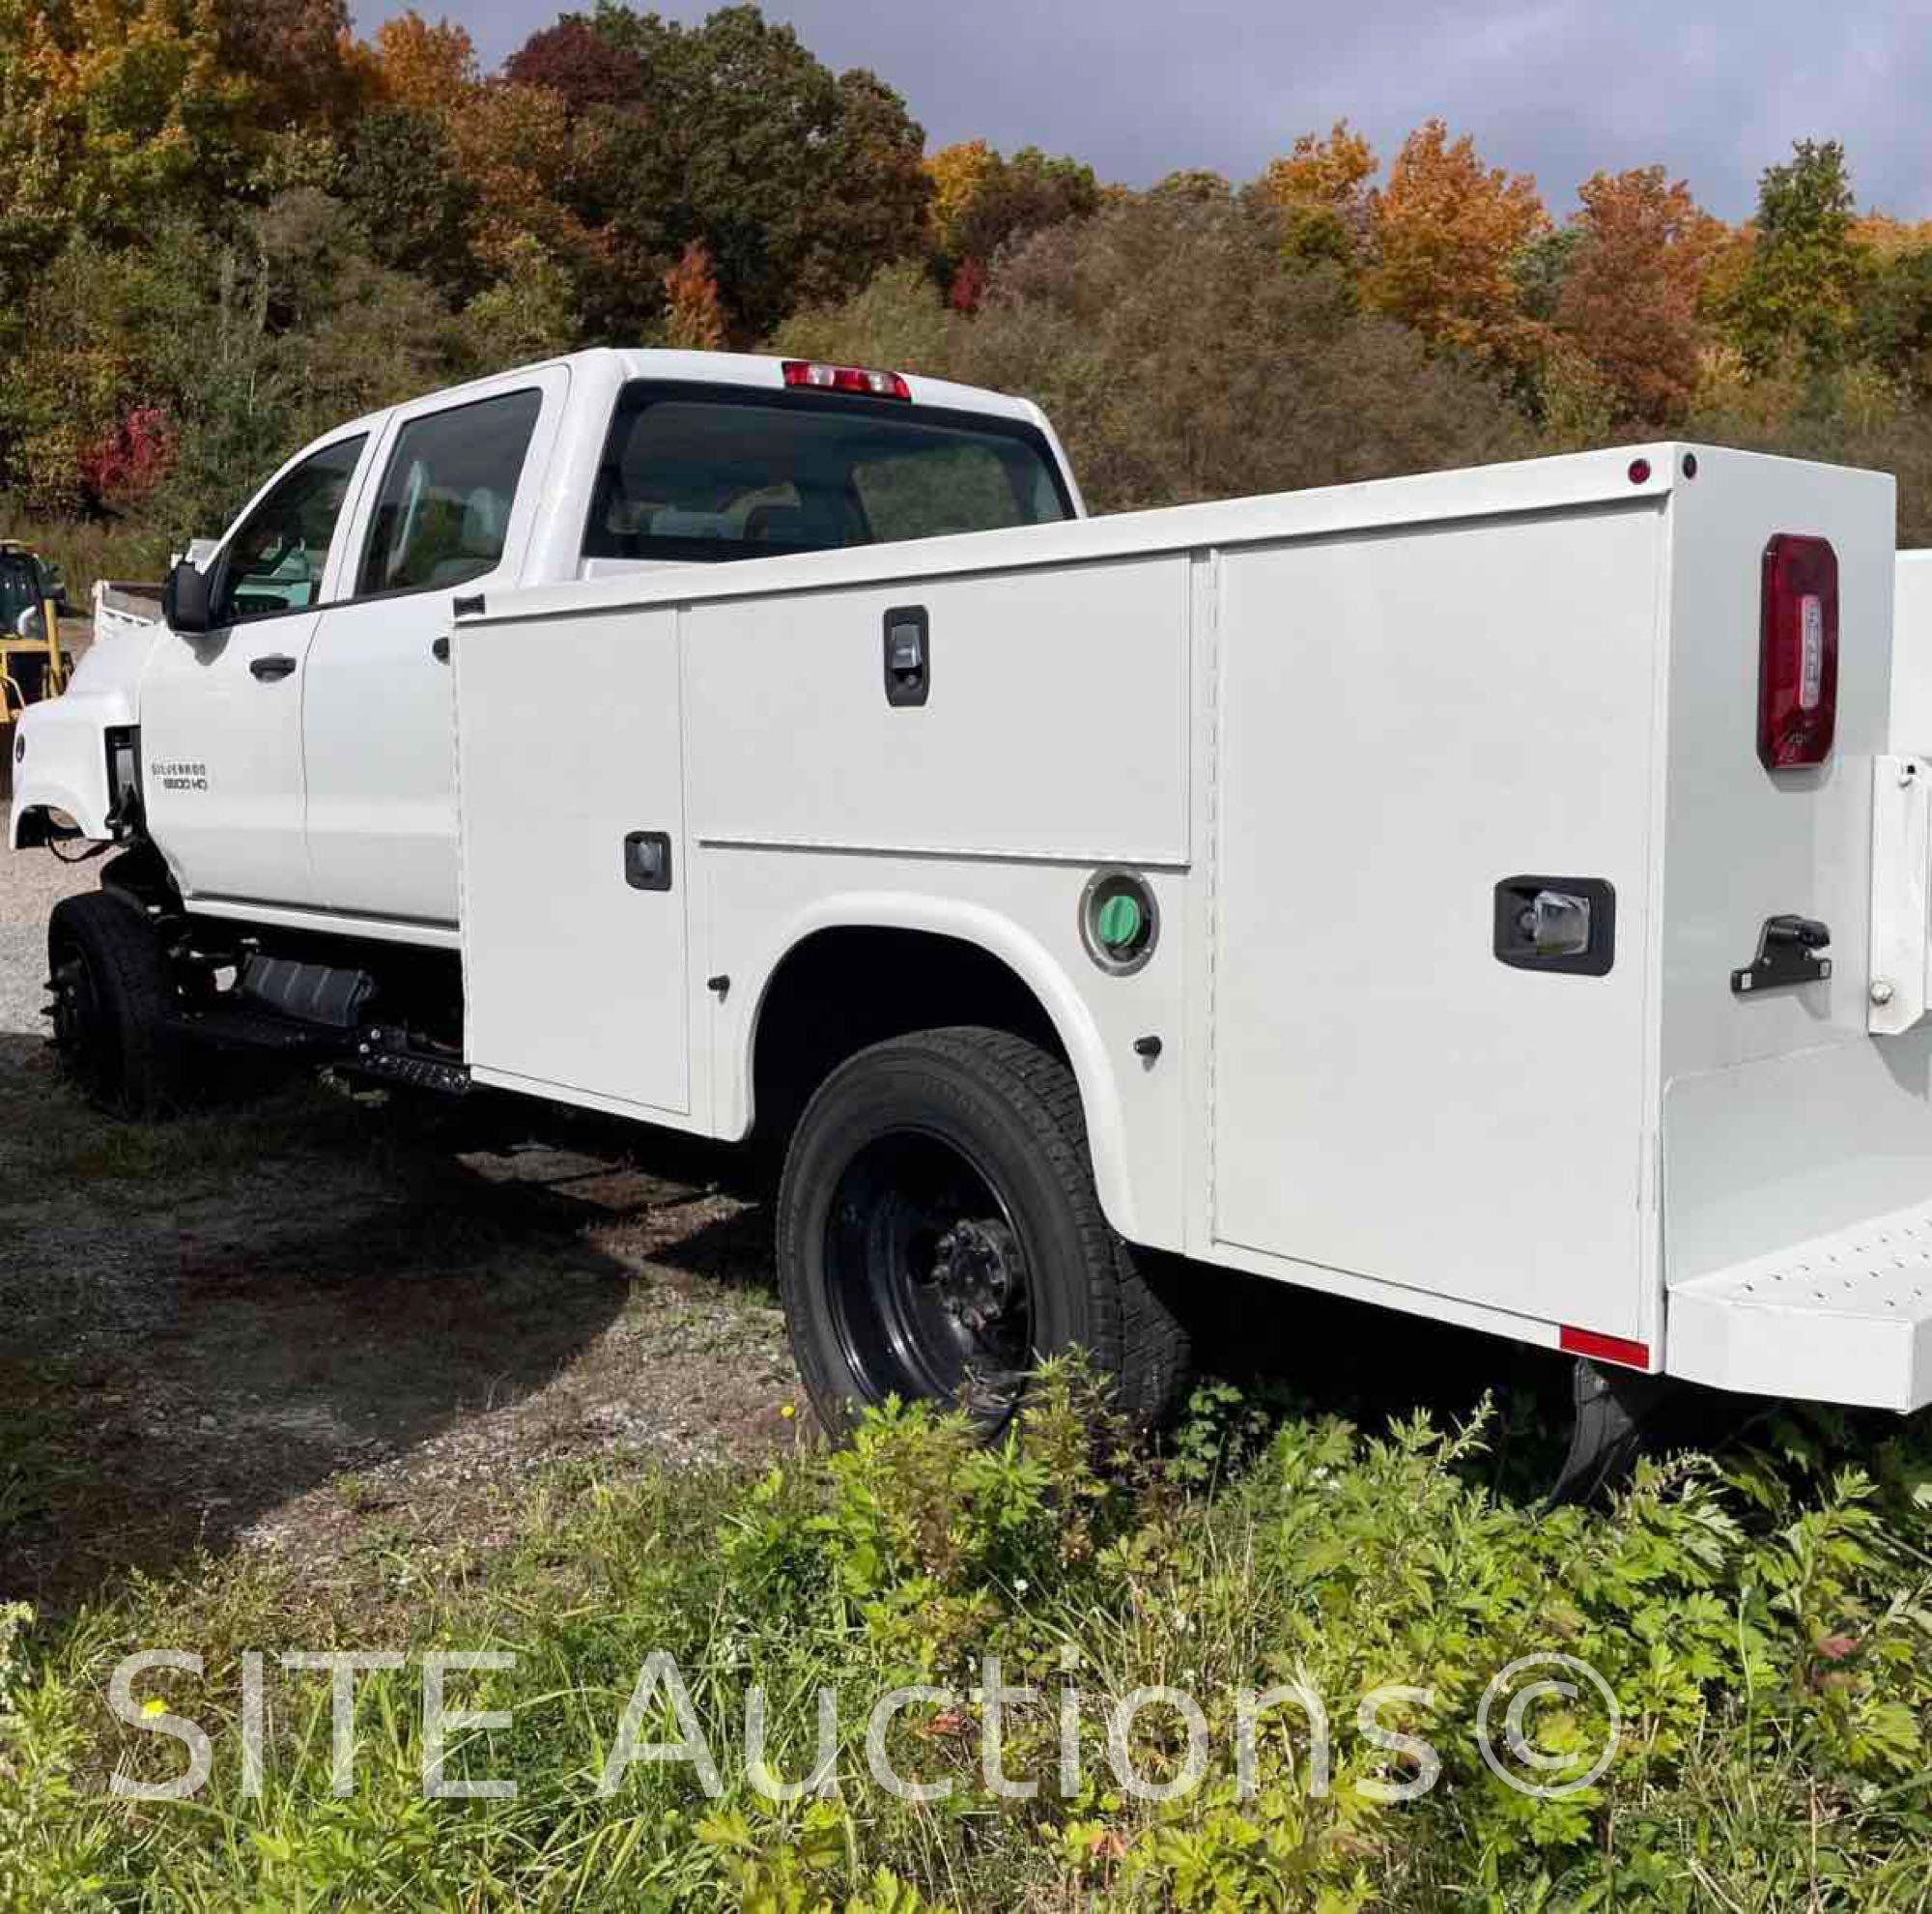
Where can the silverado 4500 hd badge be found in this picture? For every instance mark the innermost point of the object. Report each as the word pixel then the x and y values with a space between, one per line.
pixel 174 774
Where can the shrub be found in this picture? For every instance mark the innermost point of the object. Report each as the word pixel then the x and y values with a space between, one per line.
pixel 1762 1622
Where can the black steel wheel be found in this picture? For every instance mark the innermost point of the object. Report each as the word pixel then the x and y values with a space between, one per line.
pixel 939 1234
pixel 111 1006
pixel 926 1280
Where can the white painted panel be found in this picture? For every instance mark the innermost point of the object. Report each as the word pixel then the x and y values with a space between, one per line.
pixel 761 904
pixel 221 755
pixel 378 725
pixel 1779 1149
pixel 1406 720
pixel 1911 733
pixel 1783 1118
pixel 1056 723
pixel 1742 843
pixel 574 982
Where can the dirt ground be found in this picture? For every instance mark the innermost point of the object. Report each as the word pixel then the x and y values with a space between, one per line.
pixel 276 1326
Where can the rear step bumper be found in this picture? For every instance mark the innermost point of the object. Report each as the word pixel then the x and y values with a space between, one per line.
pixel 1844 1317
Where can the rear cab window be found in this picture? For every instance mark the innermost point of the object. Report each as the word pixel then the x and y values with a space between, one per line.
pixel 694 474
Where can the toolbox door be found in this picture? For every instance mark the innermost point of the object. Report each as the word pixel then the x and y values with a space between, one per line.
pixel 574 872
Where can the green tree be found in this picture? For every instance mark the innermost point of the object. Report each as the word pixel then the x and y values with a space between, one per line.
pixel 1796 296
pixel 800 181
pixel 402 181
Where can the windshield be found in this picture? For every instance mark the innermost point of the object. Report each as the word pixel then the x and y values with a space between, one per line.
pixel 690 474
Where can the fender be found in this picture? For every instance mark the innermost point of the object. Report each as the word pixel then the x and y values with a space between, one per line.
pixel 999 937
pixel 61 746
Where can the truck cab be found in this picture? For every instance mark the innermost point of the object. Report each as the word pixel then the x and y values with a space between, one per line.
pixel 296 761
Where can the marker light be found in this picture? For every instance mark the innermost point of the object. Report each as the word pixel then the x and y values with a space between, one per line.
pixel 1797 653
pixel 846 379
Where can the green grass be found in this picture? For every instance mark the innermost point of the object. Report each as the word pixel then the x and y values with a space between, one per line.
pixel 1765 1624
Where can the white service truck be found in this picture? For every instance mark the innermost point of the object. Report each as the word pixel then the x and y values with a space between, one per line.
pixel 1497 895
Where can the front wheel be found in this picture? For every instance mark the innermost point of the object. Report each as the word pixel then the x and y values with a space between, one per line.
pixel 113 1004
pixel 939 1234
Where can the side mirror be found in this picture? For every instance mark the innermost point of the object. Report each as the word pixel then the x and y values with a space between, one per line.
pixel 184 599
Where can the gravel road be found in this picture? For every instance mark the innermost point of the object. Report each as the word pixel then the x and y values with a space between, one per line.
pixel 31 883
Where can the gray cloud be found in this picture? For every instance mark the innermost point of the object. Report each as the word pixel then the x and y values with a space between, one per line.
pixel 1558 88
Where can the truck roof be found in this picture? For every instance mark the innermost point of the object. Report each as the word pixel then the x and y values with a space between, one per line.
pixel 759 370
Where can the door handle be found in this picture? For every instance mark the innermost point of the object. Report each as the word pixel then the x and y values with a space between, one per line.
pixel 440 649
pixel 908 655
pixel 276 665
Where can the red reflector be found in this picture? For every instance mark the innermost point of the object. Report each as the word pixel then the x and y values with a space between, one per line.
pixel 846 379
pixel 1639 472
pixel 1798 652
pixel 1605 1349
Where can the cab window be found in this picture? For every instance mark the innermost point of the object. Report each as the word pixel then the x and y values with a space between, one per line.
pixel 708 474
pixel 276 561
pixel 444 511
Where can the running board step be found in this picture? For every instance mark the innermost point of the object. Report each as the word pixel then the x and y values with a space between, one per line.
pixel 1843 1318
pixel 310 992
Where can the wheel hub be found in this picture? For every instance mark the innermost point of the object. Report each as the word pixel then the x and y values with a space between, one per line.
pixel 977 1272
pixel 67 1010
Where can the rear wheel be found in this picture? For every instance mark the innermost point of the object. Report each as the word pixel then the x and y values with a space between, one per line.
pixel 112 1007
pixel 939 1234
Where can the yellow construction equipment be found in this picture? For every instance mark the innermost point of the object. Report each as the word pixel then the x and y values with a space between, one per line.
pixel 32 663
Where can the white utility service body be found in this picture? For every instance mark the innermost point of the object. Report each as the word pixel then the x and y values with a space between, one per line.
pixel 1339 744
pixel 1325 726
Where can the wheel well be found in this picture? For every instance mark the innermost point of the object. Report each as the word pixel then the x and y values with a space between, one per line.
pixel 34 827
pixel 841 990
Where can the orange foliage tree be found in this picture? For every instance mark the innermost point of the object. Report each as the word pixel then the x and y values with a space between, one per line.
pixel 1322 188
pixel 694 313
pixel 414 64
pixel 1630 298
pixel 1447 229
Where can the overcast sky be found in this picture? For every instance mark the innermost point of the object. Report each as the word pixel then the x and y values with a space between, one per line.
pixel 1556 88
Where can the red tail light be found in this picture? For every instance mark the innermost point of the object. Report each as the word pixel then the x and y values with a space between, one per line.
pixel 1797 653
pixel 846 379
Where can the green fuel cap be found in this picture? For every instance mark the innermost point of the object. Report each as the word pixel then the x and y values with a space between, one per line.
pixel 1119 922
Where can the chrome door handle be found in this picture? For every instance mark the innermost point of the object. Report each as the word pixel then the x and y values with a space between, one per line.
pixel 276 665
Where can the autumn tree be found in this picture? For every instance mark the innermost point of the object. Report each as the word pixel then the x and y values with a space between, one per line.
pixel 1010 199
pixel 1323 192
pixel 294 53
pixel 1630 290
pixel 430 68
pixel 115 111
pixel 955 172
pixel 694 316
pixel 587 68
pixel 1446 230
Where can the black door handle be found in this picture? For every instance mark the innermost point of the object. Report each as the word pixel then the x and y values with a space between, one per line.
pixel 276 665
pixel 908 655
pixel 440 649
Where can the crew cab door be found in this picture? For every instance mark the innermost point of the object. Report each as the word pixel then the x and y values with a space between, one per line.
pixel 221 738
pixel 449 516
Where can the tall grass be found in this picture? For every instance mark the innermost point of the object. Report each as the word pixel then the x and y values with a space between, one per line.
pixel 1763 1626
